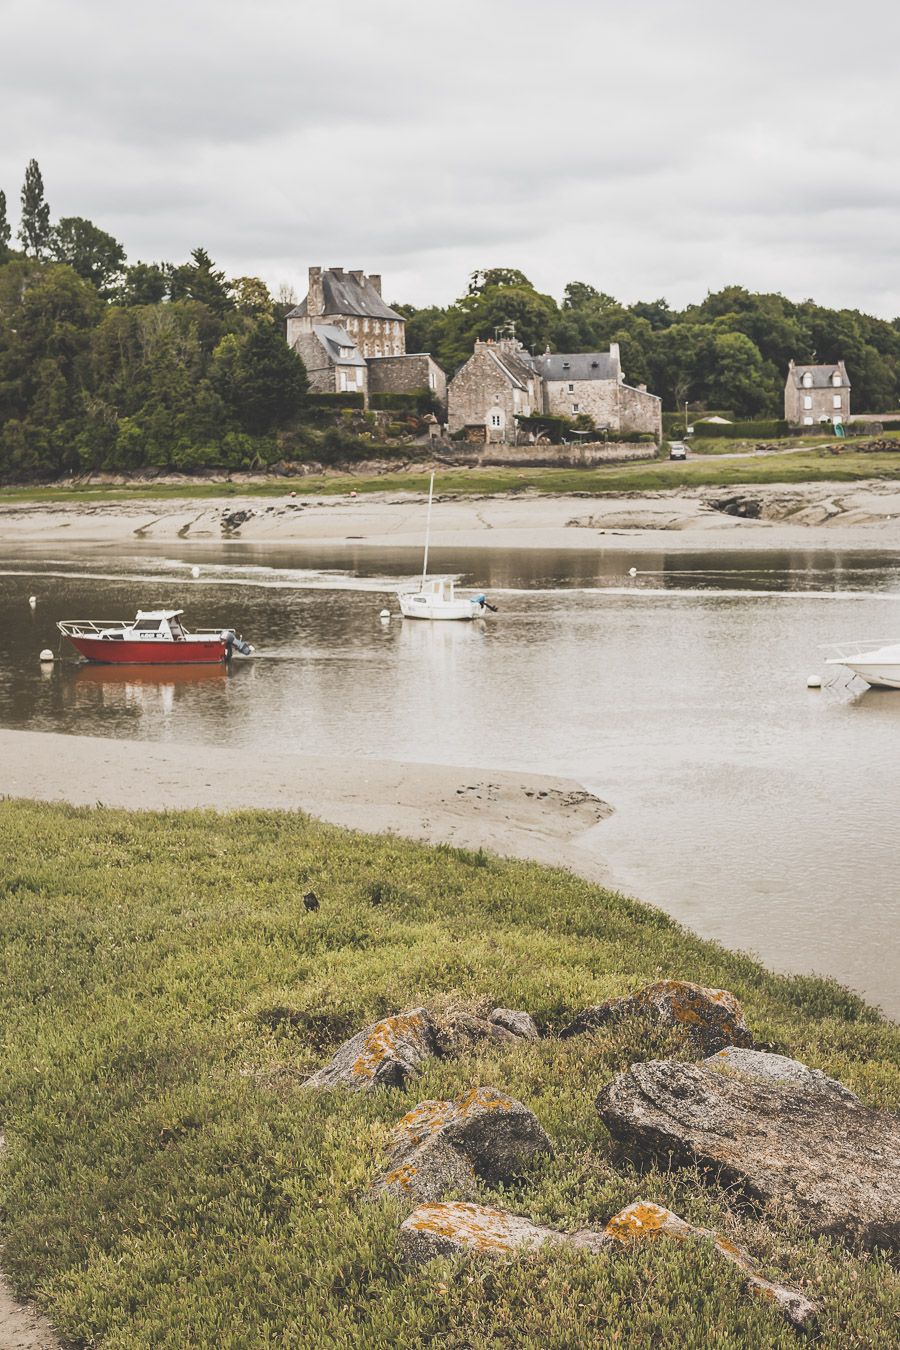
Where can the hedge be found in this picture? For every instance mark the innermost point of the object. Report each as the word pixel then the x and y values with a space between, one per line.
pixel 419 401
pixel 350 399
pixel 764 431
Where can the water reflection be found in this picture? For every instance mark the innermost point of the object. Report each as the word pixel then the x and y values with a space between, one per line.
pixel 760 812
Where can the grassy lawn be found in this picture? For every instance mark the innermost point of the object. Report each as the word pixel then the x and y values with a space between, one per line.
pixel 725 445
pixel 814 466
pixel 165 1183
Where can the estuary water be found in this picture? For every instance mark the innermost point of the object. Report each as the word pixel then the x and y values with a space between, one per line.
pixel 756 811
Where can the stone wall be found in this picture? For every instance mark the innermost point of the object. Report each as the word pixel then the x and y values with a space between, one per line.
pixel 408 374
pixel 608 403
pixel 546 456
pixel 821 405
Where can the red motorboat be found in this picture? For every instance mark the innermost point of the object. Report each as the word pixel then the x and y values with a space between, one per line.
pixel 155 637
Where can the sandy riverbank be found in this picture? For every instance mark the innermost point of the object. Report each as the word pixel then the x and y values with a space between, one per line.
pixel 835 515
pixel 516 814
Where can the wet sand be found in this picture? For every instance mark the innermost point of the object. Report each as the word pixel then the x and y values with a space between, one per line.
pixel 518 815
pixel 838 515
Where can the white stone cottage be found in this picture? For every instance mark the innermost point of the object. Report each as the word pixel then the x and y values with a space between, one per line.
pixel 502 381
pixel 815 394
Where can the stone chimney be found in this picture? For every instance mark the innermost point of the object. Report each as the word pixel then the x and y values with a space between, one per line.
pixel 337 273
pixel 358 277
pixel 375 281
pixel 315 300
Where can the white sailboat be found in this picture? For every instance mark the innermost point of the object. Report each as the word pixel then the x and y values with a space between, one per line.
pixel 436 597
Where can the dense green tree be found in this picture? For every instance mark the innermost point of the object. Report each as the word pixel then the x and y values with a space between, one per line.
pixel 144 284
pixel 200 280
pixel 5 229
pixel 34 230
pixel 251 296
pixel 90 251
pixel 261 379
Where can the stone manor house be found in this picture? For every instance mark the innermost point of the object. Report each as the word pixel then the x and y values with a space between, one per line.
pixel 352 342
pixel 502 381
pixel 814 394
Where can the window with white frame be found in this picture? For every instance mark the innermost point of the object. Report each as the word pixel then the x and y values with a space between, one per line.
pixel 496 419
pixel 807 400
pixel 836 379
pixel 807 381
pixel 807 421
pixel 575 408
pixel 571 389
pixel 836 401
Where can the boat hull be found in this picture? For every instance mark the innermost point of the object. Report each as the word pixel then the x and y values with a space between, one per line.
pixel 882 677
pixel 412 607
pixel 109 652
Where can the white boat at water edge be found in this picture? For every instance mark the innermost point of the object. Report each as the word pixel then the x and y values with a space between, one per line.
pixel 877 665
pixel 436 597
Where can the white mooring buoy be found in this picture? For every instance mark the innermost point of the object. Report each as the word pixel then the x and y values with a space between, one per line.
pixel 46 655
pixel 385 614
pixel 632 571
pixel 195 571
pixel 32 600
pixel 814 682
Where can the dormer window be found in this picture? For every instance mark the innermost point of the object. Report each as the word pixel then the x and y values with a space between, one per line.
pixel 807 380
pixel 836 379
pixel 566 365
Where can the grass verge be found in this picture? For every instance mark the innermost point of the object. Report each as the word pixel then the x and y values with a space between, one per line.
pixel 166 1184
pixel 708 470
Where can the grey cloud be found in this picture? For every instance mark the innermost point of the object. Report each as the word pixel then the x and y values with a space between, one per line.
pixel 648 148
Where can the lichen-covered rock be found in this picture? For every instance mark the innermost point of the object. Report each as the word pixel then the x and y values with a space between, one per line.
pixel 465 1229
pixel 519 1023
pixel 384 1054
pixel 710 1018
pixel 830 1161
pixel 640 1222
pixel 460 1031
pixel 779 1069
pixel 450 1146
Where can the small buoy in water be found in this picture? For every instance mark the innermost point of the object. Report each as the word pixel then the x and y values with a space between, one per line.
pixel 46 654
pixel 32 600
pixel 195 571
pixel 385 614
pixel 814 682
pixel 632 571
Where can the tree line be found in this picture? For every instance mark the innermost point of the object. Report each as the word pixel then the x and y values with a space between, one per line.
pixel 106 364
pixel 109 366
pixel 730 352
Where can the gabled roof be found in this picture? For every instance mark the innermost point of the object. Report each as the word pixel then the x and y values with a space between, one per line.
pixel 577 366
pixel 343 294
pixel 822 376
pixel 516 370
pixel 336 341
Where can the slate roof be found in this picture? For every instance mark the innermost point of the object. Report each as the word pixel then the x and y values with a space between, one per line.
pixel 821 376
pixel 333 339
pixel 344 295
pixel 575 366
pixel 516 369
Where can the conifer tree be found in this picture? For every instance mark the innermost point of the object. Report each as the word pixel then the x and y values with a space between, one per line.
pixel 34 230
pixel 5 230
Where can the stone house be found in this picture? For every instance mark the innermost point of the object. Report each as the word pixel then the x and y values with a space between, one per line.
pixel 502 381
pixel 351 341
pixel 496 385
pixel 814 394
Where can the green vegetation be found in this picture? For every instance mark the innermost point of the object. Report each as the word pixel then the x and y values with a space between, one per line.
pixel 165 1183
pixel 730 351
pixel 711 468
pixel 762 430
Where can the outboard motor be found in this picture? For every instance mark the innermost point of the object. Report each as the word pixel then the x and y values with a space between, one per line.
pixel 233 643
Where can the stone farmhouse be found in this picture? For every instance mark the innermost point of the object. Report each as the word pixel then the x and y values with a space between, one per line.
pixel 502 381
pixel 352 342
pixel 814 394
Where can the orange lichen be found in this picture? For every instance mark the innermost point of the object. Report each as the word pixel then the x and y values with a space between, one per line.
pixel 640 1220
pixel 402 1176
pixel 485 1098
pixel 422 1121
pixel 381 1042
pixel 469 1225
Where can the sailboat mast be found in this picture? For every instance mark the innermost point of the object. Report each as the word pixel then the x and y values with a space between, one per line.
pixel 427 530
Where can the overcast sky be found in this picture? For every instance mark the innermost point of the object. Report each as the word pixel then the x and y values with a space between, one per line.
pixel 645 146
